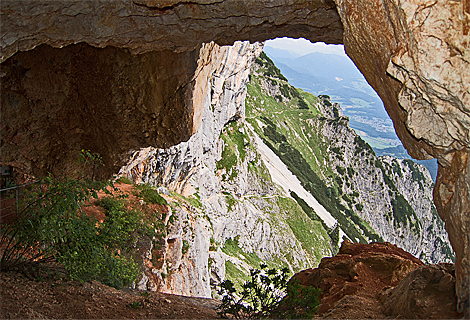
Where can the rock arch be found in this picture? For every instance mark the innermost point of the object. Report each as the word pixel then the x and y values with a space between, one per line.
pixel 414 53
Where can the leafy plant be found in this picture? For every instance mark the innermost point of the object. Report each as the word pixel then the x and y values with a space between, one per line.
pixel 300 302
pixel 267 294
pixel 91 160
pixel 52 233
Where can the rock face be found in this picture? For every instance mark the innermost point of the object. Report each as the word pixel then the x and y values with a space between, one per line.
pixel 414 53
pixel 242 217
pixel 427 292
pixel 88 87
pixel 153 25
pixel 386 199
pixel 358 270
pixel 421 60
pixel 379 280
pixel 248 212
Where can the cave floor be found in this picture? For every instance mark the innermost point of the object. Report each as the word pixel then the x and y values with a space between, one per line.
pixel 24 298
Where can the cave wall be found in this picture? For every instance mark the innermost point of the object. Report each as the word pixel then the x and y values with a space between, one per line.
pixel 414 53
pixel 149 25
pixel 56 102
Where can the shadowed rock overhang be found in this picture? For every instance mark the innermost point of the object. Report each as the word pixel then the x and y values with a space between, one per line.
pixel 61 93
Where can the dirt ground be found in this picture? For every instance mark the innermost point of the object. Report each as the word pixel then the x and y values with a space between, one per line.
pixel 24 298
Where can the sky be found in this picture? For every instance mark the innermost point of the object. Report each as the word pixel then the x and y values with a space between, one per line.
pixel 302 46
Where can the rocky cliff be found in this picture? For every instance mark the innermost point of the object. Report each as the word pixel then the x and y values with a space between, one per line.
pixel 371 197
pixel 246 218
pixel 246 211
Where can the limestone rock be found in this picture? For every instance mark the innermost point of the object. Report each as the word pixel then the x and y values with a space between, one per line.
pixel 103 100
pixel 392 195
pixel 421 60
pixel 155 25
pixel 246 212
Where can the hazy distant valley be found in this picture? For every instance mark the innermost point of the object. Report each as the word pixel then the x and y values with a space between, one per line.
pixel 336 75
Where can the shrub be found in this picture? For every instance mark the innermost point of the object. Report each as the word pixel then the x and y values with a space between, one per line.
pixel 46 215
pixel 52 233
pixel 300 302
pixel 361 145
pixel 340 170
pixel 303 104
pixel 124 180
pixel 268 294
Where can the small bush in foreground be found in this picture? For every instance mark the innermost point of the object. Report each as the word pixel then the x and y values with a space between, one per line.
pixel 268 294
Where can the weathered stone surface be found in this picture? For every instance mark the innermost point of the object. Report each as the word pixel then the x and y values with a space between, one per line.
pixel 357 273
pixel 421 62
pixel 427 293
pixel 56 102
pixel 252 217
pixel 452 198
pixel 380 280
pixel 149 25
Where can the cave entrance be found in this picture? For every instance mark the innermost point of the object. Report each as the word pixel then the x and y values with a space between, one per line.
pixel 283 178
pixel 393 44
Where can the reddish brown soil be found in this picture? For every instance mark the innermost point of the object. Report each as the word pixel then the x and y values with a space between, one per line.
pixel 23 298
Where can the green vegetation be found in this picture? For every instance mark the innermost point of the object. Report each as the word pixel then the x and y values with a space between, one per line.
pixel 416 174
pixel 259 170
pixel 234 151
pixel 279 124
pixel 404 214
pixel 90 161
pixel 340 170
pixel 149 194
pixel 362 146
pixel 333 233
pixel 308 211
pixel 270 69
pixel 295 133
pixel 232 248
pixel 52 233
pixel 268 294
pixel 124 180
pixel 446 249
pixel 192 200
pixel 311 233
pixel 230 200
pixel 297 164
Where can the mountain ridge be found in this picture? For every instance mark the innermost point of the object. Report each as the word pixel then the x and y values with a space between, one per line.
pixel 247 217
